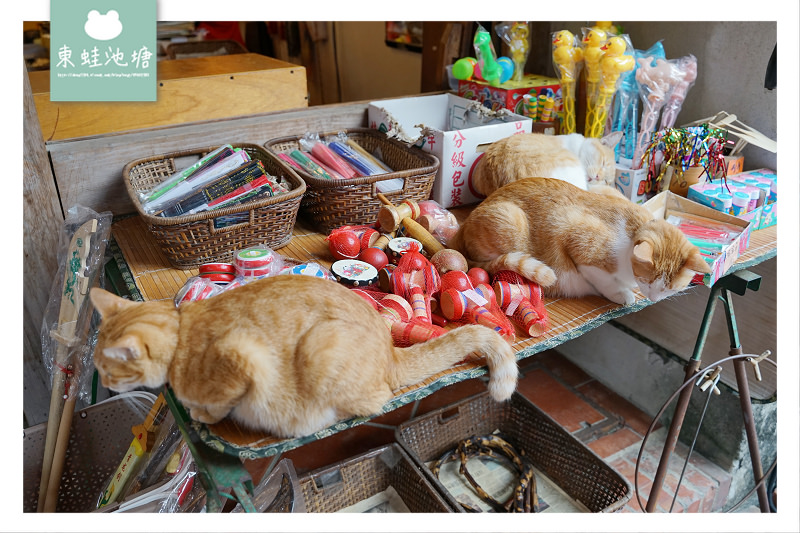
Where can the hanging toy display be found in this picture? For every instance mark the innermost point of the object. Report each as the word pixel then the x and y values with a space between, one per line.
pixel 592 42
pixel 567 58
pixel 615 60
pixel 516 35
pixel 656 79
pixel 487 57
pixel 687 73
pixel 625 109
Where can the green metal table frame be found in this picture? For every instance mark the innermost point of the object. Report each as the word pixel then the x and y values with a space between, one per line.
pixel 738 283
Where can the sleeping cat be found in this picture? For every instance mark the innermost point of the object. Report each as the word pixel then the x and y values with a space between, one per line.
pixel 575 243
pixel 583 162
pixel 289 355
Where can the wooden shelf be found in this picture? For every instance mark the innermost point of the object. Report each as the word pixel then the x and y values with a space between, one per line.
pixel 190 90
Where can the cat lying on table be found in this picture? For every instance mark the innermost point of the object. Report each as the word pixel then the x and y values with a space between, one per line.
pixel 576 243
pixel 287 354
pixel 585 162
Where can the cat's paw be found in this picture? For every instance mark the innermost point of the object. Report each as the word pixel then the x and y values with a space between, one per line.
pixel 623 297
pixel 539 272
pixel 204 415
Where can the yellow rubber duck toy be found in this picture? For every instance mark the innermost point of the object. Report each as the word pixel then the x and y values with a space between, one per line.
pixel 567 57
pixel 613 63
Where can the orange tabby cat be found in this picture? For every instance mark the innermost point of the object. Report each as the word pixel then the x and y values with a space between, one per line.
pixel 584 162
pixel 286 354
pixel 575 243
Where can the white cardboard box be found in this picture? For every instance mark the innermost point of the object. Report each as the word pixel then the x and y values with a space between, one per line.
pixel 667 200
pixel 451 128
pixel 631 182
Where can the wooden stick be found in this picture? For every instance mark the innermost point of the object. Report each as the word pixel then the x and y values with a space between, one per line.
pixel 73 296
pixel 414 229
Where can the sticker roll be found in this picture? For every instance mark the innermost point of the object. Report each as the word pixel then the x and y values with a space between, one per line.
pixel 254 257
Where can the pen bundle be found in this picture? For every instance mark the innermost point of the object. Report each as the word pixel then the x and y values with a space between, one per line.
pixel 710 236
pixel 337 157
pixel 225 177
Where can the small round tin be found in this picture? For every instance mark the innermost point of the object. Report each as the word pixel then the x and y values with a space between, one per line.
pixel 402 245
pixel 354 273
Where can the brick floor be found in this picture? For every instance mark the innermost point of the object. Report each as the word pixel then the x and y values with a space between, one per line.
pixel 605 422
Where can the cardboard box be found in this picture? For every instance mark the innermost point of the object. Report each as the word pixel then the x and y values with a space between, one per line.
pixel 451 128
pixel 760 178
pixel 734 164
pixel 666 201
pixel 632 183
pixel 509 95
pixel 706 194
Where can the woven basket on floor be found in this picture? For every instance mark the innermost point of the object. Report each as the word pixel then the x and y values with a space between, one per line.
pixel 191 240
pixel 335 203
pixel 573 467
pixel 335 487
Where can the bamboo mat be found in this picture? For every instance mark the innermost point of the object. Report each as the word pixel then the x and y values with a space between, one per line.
pixel 154 279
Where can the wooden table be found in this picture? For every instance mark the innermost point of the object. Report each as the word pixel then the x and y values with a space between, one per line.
pixel 148 276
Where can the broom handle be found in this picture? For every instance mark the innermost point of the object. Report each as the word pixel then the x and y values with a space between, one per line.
pixel 53 422
pixel 59 455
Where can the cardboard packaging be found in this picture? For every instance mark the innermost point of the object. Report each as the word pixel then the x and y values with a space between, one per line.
pixel 452 128
pixel 767 180
pixel 509 95
pixel 668 202
pixel 632 183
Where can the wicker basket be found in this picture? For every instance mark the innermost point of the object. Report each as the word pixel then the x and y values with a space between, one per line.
pixel 577 470
pixel 191 240
pixel 335 203
pixel 213 47
pixel 335 487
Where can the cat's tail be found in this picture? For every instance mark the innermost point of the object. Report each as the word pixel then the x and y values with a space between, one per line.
pixel 421 361
pixel 523 264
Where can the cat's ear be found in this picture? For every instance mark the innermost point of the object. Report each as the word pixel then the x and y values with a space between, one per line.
pixel 121 353
pixel 643 252
pixel 106 303
pixel 612 139
pixel 696 263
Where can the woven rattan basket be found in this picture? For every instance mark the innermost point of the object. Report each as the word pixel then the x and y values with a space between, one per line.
pixel 573 467
pixel 335 487
pixel 191 240
pixel 335 203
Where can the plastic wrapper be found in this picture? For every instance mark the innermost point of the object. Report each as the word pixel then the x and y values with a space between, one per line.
pixel 178 490
pixel 278 492
pixel 567 61
pixel 306 269
pixel 439 222
pixel 687 74
pixel 332 162
pixel 257 262
pixel 490 70
pixel 463 302
pixel 656 78
pixel 67 338
pixel 516 35
pixel 396 312
pixel 604 68
pixel 625 109
pixel 196 288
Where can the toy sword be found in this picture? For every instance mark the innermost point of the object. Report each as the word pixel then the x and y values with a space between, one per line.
pixel 62 403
